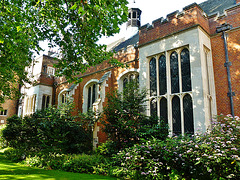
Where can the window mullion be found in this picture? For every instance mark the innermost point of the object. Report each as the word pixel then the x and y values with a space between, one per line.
pixel 179 71
pixel 182 113
pixel 169 98
pixel 158 86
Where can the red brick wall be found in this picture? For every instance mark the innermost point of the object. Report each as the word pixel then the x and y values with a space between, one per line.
pixel 192 16
pixel 218 53
pixel 130 56
pixel 10 106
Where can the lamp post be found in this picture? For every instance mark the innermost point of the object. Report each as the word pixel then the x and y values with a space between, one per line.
pixel 223 28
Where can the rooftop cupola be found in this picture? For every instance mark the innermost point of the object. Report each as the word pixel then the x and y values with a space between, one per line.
pixel 134 16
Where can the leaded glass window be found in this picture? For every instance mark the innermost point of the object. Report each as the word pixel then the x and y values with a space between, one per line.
pixel 170 82
pixel 163 110
pixel 186 72
pixel 94 93
pixel 162 75
pixel 48 101
pixel 43 101
pixel 125 81
pixel 131 77
pixel 188 114
pixel 153 107
pixel 176 115
pixel 153 77
pixel 63 98
pixel 89 96
pixel 174 72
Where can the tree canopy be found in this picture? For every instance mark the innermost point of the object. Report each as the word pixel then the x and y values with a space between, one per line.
pixel 73 25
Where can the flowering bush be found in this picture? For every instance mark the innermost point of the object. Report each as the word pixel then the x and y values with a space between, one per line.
pixel 213 155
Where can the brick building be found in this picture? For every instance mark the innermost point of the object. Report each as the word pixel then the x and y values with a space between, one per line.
pixel 189 61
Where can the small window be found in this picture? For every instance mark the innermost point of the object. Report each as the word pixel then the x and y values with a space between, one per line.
pixel 45 68
pixel 134 14
pixel 50 70
pixel 92 95
pixel 3 112
pixel 45 101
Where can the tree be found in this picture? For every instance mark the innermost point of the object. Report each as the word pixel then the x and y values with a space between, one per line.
pixel 73 25
pixel 124 120
pixel 48 130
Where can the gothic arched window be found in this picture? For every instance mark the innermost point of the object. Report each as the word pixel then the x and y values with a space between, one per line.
pixel 170 84
pixel 91 95
pixel 163 110
pixel 176 115
pixel 174 72
pixel 162 75
pixel 186 72
pixel 153 77
pixel 188 114
pixel 153 107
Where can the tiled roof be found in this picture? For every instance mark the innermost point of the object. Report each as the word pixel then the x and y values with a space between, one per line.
pixel 213 6
pixel 131 41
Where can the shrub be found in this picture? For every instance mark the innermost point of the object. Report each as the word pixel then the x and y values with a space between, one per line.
pixel 124 121
pixel 3 142
pixel 48 130
pixel 107 149
pixel 72 163
pixel 15 155
pixel 213 155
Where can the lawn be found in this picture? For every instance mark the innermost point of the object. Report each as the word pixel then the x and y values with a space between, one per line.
pixel 10 170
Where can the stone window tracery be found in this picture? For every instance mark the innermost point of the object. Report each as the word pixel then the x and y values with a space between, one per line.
pixel 170 90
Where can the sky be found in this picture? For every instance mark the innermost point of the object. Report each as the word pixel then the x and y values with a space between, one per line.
pixel 151 10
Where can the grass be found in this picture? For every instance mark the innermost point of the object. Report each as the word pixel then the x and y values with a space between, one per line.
pixel 12 171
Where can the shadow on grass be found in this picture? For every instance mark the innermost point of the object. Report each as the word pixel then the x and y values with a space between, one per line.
pixel 10 170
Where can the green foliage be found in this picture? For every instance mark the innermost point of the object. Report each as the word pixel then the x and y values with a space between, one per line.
pixel 107 149
pixel 214 155
pixel 15 155
pixel 152 127
pixel 72 26
pixel 124 121
pixel 72 163
pixel 3 142
pixel 48 130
